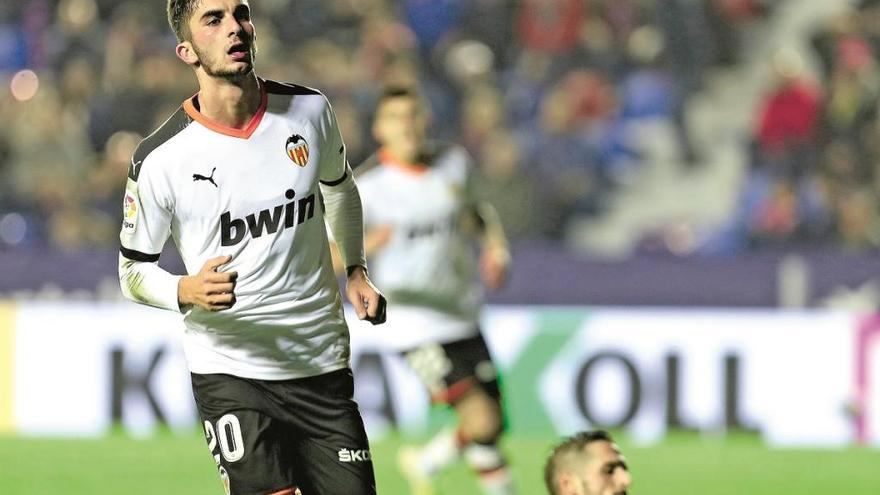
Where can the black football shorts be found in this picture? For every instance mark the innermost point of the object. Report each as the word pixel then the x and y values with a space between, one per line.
pixel 269 437
pixel 451 369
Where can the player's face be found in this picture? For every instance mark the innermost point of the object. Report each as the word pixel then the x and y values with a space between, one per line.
pixel 223 38
pixel 603 473
pixel 400 126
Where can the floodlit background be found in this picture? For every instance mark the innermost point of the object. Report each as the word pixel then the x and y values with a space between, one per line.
pixel 692 189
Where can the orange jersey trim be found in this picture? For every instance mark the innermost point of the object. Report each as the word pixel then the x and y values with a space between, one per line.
pixel 215 126
pixel 387 159
pixel 454 392
pixel 286 491
pixel 494 473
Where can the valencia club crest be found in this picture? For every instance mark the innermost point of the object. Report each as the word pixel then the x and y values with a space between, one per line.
pixel 298 150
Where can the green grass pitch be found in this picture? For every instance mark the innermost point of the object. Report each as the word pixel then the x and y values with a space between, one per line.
pixel 682 464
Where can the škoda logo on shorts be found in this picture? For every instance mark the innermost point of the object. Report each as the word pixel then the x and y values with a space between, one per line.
pixel 352 455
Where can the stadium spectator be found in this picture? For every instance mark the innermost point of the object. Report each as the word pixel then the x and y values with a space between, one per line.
pixel 432 22
pixel 588 463
pixel 814 173
pixel 503 181
pixel 564 157
pixel 781 200
pixel 789 117
pixel 551 27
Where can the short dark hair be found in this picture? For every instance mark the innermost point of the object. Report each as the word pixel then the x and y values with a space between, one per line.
pixel 179 12
pixel 392 92
pixel 574 444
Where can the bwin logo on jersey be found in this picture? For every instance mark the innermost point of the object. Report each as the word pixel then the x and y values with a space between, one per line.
pixel 355 455
pixel 298 150
pixel 233 230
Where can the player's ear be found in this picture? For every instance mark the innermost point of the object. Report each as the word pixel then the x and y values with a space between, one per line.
pixel 566 483
pixel 377 130
pixel 185 52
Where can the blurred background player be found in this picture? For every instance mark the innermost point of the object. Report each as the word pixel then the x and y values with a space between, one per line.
pixel 589 463
pixel 421 219
pixel 234 176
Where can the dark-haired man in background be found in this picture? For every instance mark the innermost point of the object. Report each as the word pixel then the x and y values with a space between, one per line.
pixel 589 463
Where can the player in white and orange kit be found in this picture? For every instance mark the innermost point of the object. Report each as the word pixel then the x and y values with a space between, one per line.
pixel 236 178
pixel 422 219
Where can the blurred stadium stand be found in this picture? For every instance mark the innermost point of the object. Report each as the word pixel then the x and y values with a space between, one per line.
pixel 699 140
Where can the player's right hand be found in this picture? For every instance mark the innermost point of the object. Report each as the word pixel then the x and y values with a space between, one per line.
pixel 369 304
pixel 210 289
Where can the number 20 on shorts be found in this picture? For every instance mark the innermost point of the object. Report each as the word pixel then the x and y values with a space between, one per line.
pixel 228 436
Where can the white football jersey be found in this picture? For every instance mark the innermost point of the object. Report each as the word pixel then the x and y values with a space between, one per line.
pixel 428 268
pixel 252 194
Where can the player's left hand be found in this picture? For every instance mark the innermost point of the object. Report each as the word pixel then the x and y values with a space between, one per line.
pixel 494 264
pixel 368 302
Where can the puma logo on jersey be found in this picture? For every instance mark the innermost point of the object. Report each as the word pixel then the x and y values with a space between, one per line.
pixel 354 455
pixel 135 170
pixel 210 178
pixel 233 230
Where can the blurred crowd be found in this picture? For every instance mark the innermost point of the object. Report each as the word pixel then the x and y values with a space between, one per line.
pixel 815 166
pixel 545 95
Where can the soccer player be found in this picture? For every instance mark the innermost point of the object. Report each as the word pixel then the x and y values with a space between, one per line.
pixel 589 463
pixel 421 219
pixel 237 177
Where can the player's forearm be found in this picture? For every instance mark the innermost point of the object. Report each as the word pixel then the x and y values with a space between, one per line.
pixel 336 259
pixel 146 283
pixel 344 215
pixel 375 239
pixel 492 234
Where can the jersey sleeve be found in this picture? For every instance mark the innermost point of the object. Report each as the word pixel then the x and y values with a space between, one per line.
pixel 468 171
pixel 344 216
pixel 145 228
pixel 146 215
pixel 333 166
pixel 366 187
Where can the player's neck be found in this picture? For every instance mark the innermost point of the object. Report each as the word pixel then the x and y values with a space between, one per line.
pixel 231 103
pixel 402 156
